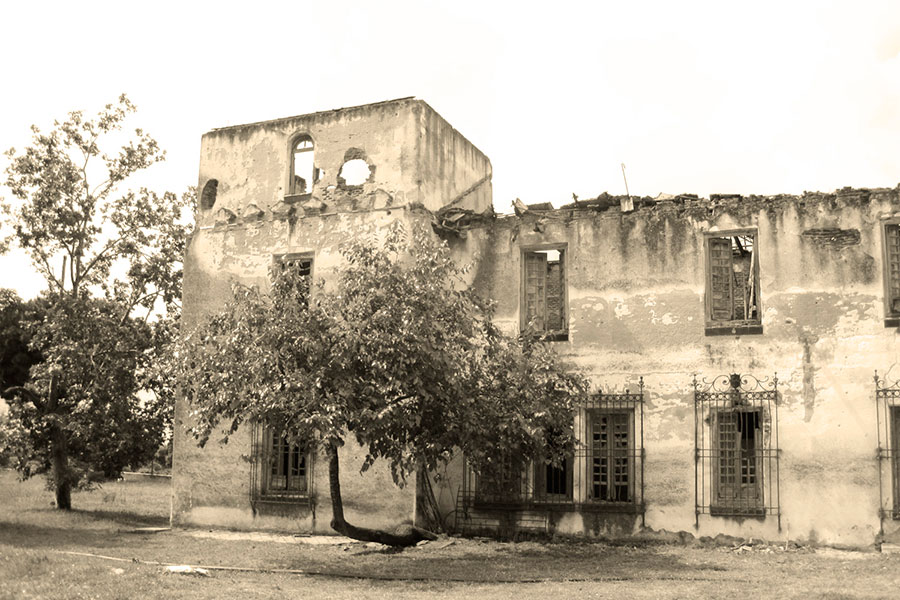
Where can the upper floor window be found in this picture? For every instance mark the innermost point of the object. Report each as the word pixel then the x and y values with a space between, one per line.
pixel 303 169
pixel 732 284
pixel 543 300
pixel 892 274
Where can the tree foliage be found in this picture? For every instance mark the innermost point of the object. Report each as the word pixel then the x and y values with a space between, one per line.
pixel 111 259
pixel 398 354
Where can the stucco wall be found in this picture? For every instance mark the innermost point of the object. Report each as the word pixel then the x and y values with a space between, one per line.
pixel 636 284
pixel 252 219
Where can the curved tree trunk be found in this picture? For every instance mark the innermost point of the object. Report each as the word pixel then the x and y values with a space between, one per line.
pixel 408 536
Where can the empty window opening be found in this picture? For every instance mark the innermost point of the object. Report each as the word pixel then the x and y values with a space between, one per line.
pixel 303 170
pixel 208 195
pixel 733 281
pixel 544 293
pixel 355 172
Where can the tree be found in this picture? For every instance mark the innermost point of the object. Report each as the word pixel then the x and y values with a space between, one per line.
pixel 81 229
pixel 399 355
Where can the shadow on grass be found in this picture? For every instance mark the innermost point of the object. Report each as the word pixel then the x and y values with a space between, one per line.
pixel 49 528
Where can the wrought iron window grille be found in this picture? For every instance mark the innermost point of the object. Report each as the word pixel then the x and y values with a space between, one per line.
pixel 605 473
pixel 887 418
pixel 280 472
pixel 736 452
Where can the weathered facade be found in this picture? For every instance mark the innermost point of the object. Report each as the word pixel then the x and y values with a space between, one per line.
pixel 662 301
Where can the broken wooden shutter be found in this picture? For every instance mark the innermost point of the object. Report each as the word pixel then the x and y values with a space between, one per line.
pixel 536 290
pixel 721 301
pixel 892 233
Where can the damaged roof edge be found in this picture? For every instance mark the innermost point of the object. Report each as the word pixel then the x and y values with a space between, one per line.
pixel 607 201
pixel 319 113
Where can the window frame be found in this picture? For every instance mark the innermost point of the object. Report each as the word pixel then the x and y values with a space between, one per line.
pixel 261 493
pixel 731 326
pixel 744 505
pixel 736 393
pixel 610 454
pixel 551 335
pixel 271 454
pixel 291 194
pixel 891 316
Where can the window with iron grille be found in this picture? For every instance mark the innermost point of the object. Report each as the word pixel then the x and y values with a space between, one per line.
pixel 891 274
pixel 612 455
pixel 732 284
pixel 543 299
pixel 887 399
pixel 553 483
pixel 281 468
pixel 501 482
pixel 736 447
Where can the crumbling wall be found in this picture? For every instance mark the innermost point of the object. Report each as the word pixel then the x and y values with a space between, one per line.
pixel 636 285
pixel 372 169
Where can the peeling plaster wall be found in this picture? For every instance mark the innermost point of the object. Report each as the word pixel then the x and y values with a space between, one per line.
pixel 252 219
pixel 636 284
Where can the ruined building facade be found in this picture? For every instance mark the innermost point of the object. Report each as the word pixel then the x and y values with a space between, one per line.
pixel 732 342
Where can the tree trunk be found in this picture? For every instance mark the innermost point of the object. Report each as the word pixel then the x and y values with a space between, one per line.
pixel 59 452
pixel 407 535
pixel 61 478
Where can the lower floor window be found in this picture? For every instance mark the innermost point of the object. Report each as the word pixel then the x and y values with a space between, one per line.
pixel 287 465
pixel 605 472
pixel 887 402
pixel 281 468
pixel 611 456
pixel 736 452
pixel 738 480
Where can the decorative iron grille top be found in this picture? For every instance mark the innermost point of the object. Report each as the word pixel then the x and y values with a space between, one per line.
pixel 883 383
pixel 626 396
pixel 735 382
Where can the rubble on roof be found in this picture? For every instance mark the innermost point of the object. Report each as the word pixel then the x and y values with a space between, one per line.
pixel 452 221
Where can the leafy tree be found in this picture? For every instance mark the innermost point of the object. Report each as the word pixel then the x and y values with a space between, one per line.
pixel 399 355
pixel 110 257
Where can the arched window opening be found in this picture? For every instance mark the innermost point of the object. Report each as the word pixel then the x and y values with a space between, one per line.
pixel 303 169
pixel 208 196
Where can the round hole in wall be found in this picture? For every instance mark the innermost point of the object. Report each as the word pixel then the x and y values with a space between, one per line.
pixel 355 171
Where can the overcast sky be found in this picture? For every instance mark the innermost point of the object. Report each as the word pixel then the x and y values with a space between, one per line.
pixel 696 97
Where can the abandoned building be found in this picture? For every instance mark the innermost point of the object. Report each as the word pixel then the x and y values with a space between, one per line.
pixel 732 342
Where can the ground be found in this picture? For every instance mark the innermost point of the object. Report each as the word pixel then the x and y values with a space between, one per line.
pixel 38 559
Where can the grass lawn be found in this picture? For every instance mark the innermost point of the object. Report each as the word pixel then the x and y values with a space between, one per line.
pixel 34 538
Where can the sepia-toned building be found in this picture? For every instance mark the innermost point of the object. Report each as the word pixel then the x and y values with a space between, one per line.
pixel 732 342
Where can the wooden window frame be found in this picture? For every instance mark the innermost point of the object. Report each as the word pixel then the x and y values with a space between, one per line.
pixel 629 455
pixel 271 454
pixel 749 504
pixel 731 326
pixel 558 335
pixel 540 494
pixel 891 316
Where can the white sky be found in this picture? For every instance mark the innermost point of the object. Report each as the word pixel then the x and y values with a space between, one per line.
pixel 696 97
